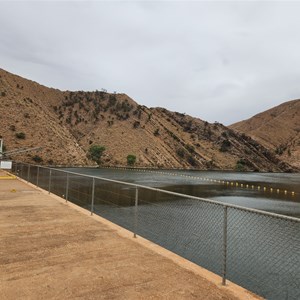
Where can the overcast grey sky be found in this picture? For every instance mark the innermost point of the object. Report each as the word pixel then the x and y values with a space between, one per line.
pixel 219 61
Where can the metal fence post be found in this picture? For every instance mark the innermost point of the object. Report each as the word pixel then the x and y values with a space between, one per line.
pixel 28 173
pixel 225 246
pixel 93 196
pixel 49 187
pixel 21 172
pixel 136 211
pixel 37 176
pixel 67 188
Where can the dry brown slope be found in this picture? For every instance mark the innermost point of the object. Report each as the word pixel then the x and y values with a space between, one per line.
pixel 157 136
pixel 277 129
pixel 23 109
pixel 67 123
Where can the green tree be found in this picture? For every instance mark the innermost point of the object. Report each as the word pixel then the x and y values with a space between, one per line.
pixel 131 159
pixel 95 152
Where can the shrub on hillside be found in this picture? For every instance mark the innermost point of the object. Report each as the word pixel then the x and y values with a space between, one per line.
pixel 192 161
pixel 50 162
pixel 136 124
pixel 131 159
pixel 190 148
pixel 20 135
pixel 240 165
pixel 95 153
pixel 37 159
pixel 280 149
pixel 180 152
pixel 156 132
pixel 226 144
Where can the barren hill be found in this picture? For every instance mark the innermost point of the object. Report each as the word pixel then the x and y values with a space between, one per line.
pixel 67 123
pixel 24 113
pixel 277 129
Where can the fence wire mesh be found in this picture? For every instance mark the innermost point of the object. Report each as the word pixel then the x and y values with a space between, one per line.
pixel 259 251
pixel 176 223
pixel 115 202
pixel 264 253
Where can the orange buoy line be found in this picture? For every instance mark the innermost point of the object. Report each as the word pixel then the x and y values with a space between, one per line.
pixel 231 183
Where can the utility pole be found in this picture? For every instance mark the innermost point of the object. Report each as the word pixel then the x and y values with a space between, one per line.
pixel 1 148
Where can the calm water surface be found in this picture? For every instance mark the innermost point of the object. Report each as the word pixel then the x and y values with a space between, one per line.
pixel 189 182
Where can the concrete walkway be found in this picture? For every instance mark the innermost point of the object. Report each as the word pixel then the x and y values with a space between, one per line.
pixel 53 250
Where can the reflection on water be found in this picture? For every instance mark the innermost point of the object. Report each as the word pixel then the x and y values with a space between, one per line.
pixel 186 182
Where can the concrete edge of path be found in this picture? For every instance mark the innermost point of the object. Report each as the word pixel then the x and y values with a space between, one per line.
pixel 235 289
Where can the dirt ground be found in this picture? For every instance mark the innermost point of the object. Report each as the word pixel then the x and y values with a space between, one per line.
pixel 51 250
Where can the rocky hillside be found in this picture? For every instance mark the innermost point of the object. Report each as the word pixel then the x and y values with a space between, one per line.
pixel 26 121
pixel 66 124
pixel 278 129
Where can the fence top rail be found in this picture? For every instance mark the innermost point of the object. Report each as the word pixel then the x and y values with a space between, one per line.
pixel 225 205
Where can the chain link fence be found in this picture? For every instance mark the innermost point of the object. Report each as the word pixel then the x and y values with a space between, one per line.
pixel 257 250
